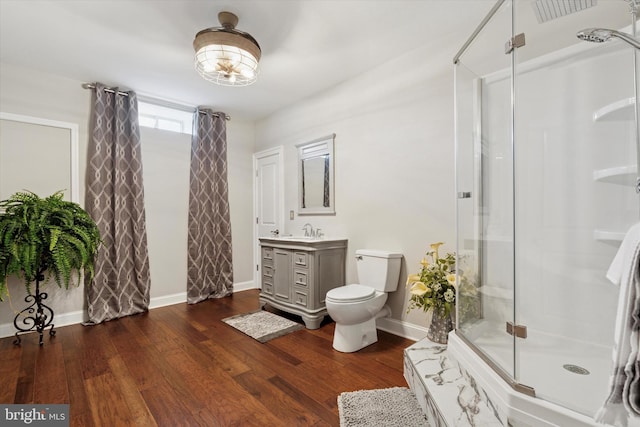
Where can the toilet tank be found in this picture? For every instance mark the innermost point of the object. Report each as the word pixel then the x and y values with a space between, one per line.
pixel 378 269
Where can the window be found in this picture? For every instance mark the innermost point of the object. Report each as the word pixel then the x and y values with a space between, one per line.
pixel 165 118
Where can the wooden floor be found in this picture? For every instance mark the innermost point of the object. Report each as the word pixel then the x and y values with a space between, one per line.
pixel 181 366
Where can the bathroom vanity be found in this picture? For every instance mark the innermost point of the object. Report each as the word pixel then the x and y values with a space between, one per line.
pixel 297 273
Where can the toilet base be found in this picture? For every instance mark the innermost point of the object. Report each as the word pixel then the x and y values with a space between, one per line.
pixel 350 338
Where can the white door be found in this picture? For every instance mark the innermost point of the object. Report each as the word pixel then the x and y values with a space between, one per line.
pixel 269 198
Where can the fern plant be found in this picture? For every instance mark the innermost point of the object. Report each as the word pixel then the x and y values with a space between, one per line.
pixel 51 236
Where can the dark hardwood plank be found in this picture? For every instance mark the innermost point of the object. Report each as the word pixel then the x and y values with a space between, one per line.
pixel 26 378
pixel 181 365
pixel 131 394
pixel 50 383
pixel 225 360
pixel 80 410
pixel 110 409
pixel 96 348
pixel 166 408
pixel 329 416
pixel 10 362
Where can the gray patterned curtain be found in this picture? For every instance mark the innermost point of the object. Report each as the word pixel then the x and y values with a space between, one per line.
pixel 209 265
pixel 115 200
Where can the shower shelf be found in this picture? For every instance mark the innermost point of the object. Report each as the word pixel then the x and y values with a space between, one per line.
pixel 608 236
pixel 623 175
pixel 622 110
pixel 619 110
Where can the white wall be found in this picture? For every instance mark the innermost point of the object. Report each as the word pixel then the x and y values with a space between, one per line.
pixel 394 160
pixel 166 166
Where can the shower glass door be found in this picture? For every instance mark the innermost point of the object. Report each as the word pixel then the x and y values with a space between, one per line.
pixel 546 162
pixel 574 164
pixel 484 174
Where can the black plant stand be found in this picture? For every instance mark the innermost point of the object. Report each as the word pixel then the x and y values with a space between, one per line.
pixel 37 316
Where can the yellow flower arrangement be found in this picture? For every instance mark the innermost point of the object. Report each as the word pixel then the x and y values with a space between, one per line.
pixel 435 286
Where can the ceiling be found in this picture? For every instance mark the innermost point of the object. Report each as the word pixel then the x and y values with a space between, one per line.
pixel 308 46
pixel 146 45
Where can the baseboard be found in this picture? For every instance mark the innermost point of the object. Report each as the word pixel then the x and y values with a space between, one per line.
pixel 166 300
pixel 244 286
pixel 64 319
pixel 71 318
pixel 401 328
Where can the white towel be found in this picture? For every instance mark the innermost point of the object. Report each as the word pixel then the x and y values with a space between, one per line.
pixel 622 407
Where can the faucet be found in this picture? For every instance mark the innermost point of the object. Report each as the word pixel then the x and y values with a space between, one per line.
pixel 308 230
pixel 275 233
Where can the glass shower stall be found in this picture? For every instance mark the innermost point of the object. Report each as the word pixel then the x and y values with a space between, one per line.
pixel 547 150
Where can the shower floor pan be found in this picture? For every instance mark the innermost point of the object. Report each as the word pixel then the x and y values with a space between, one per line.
pixel 563 397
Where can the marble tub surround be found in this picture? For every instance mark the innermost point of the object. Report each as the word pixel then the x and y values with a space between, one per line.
pixel 455 388
pixel 448 395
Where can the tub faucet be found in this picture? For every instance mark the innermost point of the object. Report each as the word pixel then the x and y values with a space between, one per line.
pixel 308 230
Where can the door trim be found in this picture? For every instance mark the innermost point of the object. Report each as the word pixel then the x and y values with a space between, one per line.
pixel 278 151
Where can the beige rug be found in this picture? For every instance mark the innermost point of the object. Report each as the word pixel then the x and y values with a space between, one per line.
pixel 262 325
pixel 389 407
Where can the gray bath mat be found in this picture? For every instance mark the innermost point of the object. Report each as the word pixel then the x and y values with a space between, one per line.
pixel 262 325
pixel 389 407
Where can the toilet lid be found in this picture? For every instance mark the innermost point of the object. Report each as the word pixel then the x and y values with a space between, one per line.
pixel 351 293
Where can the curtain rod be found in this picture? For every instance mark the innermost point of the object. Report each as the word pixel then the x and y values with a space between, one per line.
pixel 155 101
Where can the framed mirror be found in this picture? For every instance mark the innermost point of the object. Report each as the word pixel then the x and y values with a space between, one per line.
pixel 315 177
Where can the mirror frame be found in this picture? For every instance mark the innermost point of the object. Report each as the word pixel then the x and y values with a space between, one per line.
pixel 309 150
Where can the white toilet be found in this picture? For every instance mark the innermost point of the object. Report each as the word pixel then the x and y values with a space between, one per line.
pixel 355 308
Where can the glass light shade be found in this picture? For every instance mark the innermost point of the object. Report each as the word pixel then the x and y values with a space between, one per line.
pixel 227 57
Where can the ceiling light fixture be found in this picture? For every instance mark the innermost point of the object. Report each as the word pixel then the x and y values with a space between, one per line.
pixel 227 56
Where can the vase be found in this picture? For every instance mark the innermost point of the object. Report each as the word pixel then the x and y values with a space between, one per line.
pixel 441 325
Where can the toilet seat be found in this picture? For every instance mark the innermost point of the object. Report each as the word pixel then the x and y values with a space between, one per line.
pixel 350 294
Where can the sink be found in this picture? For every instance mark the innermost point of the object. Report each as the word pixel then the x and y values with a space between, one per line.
pixel 295 238
pixel 299 239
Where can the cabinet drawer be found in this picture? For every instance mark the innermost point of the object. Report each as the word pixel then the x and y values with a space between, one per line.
pixel 301 298
pixel 267 253
pixel 300 277
pixel 267 287
pixel 267 271
pixel 300 258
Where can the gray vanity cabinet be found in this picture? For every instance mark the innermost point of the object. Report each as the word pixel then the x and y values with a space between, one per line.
pixel 297 274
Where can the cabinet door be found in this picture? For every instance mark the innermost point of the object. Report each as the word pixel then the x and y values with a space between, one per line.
pixel 282 274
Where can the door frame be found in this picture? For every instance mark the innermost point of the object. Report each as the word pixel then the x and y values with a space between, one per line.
pixel 275 151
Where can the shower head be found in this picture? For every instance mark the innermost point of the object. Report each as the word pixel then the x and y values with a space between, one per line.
pixel 599 35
